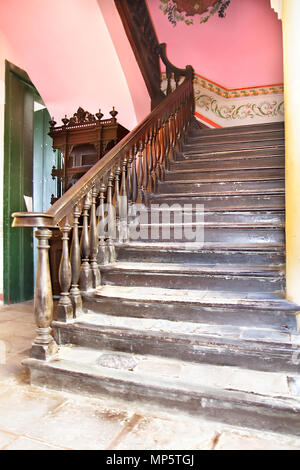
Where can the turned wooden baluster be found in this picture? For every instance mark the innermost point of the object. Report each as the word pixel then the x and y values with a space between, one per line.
pixel 140 172
pixel 163 145
pixel 44 345
pixel 129 184
pixel 111 221
pixel 75 264
pixel 103 254
pixel 146 168
pixel 123 227
pixel 118 173
pixel 134 175
pixel 159 150
pixel 93 241
pixel 168 142
pixel 64 309
pixel 154 158
pixel 85 279
pixel 171 133
pixel 150 161
pixel 129 178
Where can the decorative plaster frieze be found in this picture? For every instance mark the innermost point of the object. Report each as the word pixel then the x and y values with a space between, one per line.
pixel 223 107
pixel 236 93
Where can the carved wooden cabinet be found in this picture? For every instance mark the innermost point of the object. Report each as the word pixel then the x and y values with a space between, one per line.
pixel 83 140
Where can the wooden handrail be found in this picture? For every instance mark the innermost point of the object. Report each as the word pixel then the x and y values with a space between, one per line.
pixel 62 206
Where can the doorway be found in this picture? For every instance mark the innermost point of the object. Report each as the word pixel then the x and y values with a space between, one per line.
pixel 28 159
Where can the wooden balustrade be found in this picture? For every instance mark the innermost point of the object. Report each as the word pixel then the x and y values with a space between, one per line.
pixel 104 200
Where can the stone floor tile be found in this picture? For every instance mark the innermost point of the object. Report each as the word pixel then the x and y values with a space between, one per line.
pixel 13 367
pixel 160 434
pixel 20 408
pixel 6 439
pixel 9 329
pixel 80 427
pixel 16 316
pixel 16 344
pixel 24 443
pixel 245 441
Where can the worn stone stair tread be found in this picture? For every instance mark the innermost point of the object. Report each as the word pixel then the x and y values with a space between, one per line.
pixel 257 128
pixel 222 377
pixel 82 360
pixel 225 165
pixel 265 301
pixel 183 188
pixel 220 193
pixel 239 217
pixel 226 202
pixel 268 143
pixel 77 368
pixel 247 135
pixel 214 177
pixel 243 338
pixel 249 225
pixel 250 128
pixel 208 246
pixel 251 154
pixel 229 138
pixel 216 270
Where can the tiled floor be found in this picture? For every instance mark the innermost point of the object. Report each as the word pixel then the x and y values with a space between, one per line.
pixel 37 419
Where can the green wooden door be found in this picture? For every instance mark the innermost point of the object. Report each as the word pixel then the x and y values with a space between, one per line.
pixel 18 151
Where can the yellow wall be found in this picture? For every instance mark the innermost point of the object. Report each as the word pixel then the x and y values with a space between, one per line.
pixel 291 50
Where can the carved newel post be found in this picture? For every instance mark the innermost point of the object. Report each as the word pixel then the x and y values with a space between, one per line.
pixel 44 345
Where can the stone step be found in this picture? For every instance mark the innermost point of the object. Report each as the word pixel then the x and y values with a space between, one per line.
pixel 229 138
pixel 223 203
pixel 196 306
pixel 233 145
pixel 246 164
pixel 201 390
pixel 169 214
pixel 215 277
pixel 225 155
pixel 159 252
pixel 251 348
pixel 202 233
pixel 222 187
pixel 197 175
pixel 236 130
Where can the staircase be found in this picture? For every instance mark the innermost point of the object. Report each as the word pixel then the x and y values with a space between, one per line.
pixel 201 326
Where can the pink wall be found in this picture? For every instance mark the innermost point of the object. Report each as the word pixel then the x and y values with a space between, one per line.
pixel 242 50
pixel 136 84
pixel 66 49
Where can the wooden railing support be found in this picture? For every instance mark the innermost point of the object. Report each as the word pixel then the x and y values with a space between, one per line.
pixel 75 294
pixel 64 309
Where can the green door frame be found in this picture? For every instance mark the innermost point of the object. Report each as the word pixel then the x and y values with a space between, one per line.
pixel 20 95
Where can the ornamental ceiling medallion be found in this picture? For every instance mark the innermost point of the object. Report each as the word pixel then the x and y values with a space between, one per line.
pixel 183 10
pixel 193 7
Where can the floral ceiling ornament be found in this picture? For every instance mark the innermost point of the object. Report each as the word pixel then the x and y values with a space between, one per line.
pixel 182 10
